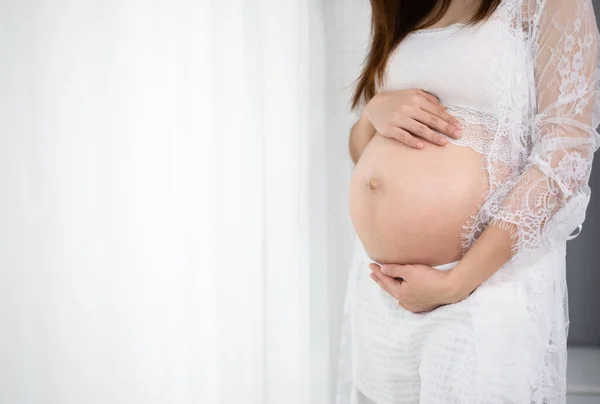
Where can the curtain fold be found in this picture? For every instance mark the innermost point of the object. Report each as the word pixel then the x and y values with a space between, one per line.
pixel 164 207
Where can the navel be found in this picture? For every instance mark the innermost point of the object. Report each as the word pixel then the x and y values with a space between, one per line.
pixel 372 184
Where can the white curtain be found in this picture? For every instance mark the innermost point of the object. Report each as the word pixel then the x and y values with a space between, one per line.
pixel 347 35
pixel 173 223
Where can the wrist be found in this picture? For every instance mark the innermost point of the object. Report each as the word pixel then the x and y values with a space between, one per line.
pixel 368 105
pixel 458 286
pixel 367 127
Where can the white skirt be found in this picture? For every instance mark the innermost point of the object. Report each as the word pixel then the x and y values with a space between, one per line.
pixel 502 344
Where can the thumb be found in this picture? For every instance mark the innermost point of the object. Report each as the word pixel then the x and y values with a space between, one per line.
pixel 396 271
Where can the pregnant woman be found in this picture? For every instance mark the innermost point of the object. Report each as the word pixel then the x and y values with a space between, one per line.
pixel 473 151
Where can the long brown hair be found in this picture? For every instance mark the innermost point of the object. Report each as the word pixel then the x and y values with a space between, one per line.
pixel 391 22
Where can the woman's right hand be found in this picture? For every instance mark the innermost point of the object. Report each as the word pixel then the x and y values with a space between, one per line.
pixel 408 115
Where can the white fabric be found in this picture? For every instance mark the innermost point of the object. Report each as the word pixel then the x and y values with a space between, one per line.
pixel 162 221
pixel 525 86
pixel 485 349
pixel 442 267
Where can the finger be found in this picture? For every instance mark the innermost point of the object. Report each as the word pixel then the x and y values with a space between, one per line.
pixel 378 281
pixel 424 309
pixel 389 282
pixel 438 119
pixel 376 269
pixel 424 132
pixel 395 271
pixel 405 307
pixel 423 118
pixel 405 137
pixel 428 96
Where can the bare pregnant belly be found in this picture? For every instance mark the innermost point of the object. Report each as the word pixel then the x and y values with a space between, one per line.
pixel 410 206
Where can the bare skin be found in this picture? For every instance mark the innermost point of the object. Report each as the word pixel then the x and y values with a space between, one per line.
pixel 409 205
pixel 409 277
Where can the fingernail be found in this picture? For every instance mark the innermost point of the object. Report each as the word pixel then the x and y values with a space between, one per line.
pixel 457 133
pixel 420 145
pixel 384 269
pixel 443 140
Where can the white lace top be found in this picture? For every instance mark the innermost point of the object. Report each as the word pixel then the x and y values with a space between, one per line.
pixel 525 84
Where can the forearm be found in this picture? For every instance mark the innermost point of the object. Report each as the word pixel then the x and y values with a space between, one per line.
pixel 489 252
pixel 360 135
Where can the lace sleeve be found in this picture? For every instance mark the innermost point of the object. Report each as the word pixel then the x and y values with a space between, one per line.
pixel 548 200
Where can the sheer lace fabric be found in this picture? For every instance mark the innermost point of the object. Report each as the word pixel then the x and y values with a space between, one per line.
pixel 544 198
pixel 525 85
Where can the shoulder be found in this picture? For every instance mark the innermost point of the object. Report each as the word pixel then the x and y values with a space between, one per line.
pixel 554 21
pixel 535 12
pixel 570 10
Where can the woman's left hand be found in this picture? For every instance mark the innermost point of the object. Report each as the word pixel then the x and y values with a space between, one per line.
pixel 420 289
